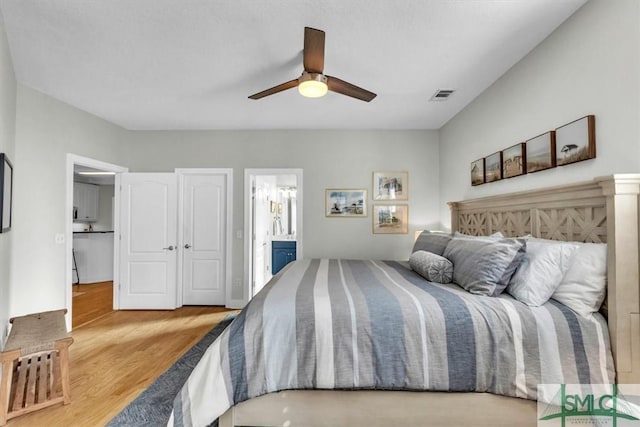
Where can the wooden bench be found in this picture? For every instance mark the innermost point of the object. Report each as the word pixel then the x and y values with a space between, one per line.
pixel 35 364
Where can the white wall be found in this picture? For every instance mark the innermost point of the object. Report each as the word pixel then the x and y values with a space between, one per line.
pixel 46 130
pixel 589 65
pixel 330 159
pixel 7 146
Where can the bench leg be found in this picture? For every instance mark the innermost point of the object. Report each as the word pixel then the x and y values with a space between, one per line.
pixel 5 390
pixel 6 359
pixel 63 347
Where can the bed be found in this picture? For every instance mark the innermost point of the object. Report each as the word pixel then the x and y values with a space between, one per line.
pixel 603 210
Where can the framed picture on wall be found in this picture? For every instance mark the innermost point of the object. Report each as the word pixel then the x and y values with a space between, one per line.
pixel 6 192
pixel 390 219
pixel 541 152
pixel 493 167
pixel 391 185
pixel 345 202
pixel 513 160
pixel 576 141
pixel 477 172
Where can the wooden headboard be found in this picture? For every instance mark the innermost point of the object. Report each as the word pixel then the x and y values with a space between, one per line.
pixel 603 210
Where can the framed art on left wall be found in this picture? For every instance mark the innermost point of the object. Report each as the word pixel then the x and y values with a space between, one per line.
pixel 390 219
pixel 6 189
pixel 390 185
pixel 345 202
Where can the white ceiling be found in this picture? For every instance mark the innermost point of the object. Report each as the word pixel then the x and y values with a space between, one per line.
pixel 191 64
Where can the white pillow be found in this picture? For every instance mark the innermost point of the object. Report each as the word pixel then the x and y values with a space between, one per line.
pixel 541 271
pixel 584 286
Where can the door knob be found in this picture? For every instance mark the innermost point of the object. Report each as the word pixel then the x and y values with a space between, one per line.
pixel 187 246
pixel 169 248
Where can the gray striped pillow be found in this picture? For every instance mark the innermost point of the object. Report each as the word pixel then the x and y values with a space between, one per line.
pixel 432 241
pixel 484 267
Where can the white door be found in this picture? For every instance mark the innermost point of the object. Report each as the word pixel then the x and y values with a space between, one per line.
pixel 148 253
pixel 204 231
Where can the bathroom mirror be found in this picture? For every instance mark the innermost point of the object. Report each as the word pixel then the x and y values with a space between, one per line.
pixel 284 212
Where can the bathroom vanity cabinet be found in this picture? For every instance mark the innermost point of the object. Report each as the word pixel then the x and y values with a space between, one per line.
pixel 282 253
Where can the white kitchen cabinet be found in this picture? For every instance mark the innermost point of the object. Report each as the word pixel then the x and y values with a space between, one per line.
pixel 94 256
pixel 85 202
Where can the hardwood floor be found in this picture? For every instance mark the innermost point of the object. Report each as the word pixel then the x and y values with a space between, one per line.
pixel 91 301
pixel 117 356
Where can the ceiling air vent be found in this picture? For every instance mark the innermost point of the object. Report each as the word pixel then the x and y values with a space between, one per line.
pixel 442 94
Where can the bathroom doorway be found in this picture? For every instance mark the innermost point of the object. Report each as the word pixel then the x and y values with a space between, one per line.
pixel 273 224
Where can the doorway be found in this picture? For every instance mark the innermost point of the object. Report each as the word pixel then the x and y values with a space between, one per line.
pixel 273 224
pixel 91 253
pixel 92 249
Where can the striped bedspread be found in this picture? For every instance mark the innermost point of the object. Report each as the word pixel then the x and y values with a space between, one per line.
pixel 378 325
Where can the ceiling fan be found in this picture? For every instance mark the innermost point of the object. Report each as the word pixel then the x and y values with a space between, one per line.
pixel 313 83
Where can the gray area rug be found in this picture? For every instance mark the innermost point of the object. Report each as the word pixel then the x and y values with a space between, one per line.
pixel 153 406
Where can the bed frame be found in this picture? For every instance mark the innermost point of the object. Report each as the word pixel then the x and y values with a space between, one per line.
pixel 603 210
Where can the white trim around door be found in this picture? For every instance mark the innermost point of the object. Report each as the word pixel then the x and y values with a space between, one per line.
pixel 73 160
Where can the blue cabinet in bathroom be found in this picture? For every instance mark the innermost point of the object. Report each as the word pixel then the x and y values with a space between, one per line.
pixel 282 253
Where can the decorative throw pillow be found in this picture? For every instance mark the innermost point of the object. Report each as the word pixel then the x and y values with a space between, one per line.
pixel 432 241
pixel 541 271
pixel 432 267
pixel 584 286
pixel 482 266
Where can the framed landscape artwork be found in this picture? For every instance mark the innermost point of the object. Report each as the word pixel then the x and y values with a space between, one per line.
pixel 390 219
pixel 341 202
pixel 576 141
pixel 390 185
pixel 477 172
pixel 541 152
pixel 513 160
pixel 493 167
pixel 6 189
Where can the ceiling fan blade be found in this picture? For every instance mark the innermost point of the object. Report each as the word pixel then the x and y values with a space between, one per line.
pixel 279 88
pixel 345 88
pixel 313 59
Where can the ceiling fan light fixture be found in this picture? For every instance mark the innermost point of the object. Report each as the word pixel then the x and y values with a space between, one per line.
pixel 312 85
